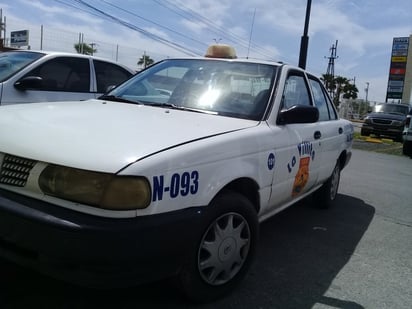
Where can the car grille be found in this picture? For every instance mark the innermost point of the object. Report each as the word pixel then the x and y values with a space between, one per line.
pixel 15 170
pixel 382 121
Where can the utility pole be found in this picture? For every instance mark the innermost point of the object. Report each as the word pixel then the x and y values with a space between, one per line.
pixel 330 72
pixel 304 42
pixel 2 28
pixel 93 45
pixel 366 98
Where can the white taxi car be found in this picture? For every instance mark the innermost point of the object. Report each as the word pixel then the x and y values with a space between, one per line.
pixel 169 174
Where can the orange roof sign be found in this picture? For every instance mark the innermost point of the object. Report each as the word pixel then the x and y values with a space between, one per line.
pixel 221 51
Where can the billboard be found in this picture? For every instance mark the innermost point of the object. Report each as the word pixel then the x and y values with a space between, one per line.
pixel 19 38
pixel 397 70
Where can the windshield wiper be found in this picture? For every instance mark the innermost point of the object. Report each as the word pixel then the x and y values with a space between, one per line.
pixel 117 99
pixel 183 108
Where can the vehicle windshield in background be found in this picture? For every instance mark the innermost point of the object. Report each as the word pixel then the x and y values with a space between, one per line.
pixel 228 88
pixel 11 62
pixel 398 109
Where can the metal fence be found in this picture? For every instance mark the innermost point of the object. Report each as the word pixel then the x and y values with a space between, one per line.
pixel 53 39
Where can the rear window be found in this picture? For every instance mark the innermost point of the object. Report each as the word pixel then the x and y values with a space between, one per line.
pixel 13 62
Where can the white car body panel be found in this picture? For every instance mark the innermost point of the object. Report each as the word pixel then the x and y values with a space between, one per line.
pixel 144 131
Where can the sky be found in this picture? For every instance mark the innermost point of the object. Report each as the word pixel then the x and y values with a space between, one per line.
pixel 258 29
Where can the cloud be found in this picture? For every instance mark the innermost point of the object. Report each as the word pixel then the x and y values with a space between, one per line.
pixel 58 14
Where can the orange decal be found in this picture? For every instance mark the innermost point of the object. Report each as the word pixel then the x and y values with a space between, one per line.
pixel 302 176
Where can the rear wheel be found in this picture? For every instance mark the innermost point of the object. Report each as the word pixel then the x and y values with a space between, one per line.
pixel 224 250
pixel 326 194
pixel 407 148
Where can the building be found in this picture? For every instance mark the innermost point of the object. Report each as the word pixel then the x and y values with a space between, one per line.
pixel 400 71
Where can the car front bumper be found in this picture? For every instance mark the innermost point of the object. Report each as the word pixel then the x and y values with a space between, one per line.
pixel 96 251
pixel 383 130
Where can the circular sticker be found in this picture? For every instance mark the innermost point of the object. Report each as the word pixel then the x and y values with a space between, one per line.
pixel 271 161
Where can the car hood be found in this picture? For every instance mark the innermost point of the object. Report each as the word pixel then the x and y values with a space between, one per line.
pixel 387 116
pixel 102 136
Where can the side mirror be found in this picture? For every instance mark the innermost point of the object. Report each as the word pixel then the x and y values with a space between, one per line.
pixel 110 88
pixel 29 82
pixel 299 114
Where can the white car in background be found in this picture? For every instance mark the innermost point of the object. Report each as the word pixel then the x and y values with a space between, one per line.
pixel 38 76
pixel 169 174
pixel 407 135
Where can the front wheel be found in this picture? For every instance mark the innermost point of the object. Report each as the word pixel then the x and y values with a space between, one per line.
pixel 224 250
pixel 364 132
pixel 326 194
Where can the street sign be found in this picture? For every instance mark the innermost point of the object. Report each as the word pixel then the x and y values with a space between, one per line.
pixel 19 38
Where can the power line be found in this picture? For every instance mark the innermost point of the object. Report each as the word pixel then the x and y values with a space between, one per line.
pixel 154 23
pixel 187 13
pixel 105 15
pixel 180 10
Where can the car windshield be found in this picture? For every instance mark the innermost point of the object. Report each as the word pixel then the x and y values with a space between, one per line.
pixel 400 109
pixel 228 88
pixel 12 62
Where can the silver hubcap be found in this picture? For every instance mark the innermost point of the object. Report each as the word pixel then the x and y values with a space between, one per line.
pixel 224 249
pixel 334 183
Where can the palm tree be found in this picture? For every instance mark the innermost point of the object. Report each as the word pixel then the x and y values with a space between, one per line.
pixel 145 61
pixel 86 49
pixel 339 86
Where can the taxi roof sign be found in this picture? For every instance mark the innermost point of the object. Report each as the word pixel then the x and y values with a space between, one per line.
pixel 221 51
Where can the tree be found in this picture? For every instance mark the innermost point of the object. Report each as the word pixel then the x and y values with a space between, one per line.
pixel 145 61
pixel 84 48
pixel 338 87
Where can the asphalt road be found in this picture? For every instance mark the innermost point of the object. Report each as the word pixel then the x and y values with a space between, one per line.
pixel 355 255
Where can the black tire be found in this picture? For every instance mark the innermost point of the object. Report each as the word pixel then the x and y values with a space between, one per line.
pixel 325 195
pixel 399 138
pixel 364 132
pixel 224 251
pixel 407 148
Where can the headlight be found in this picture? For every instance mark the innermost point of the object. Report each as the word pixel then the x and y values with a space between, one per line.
pixel 95 189
pixel 367 119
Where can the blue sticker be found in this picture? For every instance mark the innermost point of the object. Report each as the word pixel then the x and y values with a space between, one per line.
pixel 271 161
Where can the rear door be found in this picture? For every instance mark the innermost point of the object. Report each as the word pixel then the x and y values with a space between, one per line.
pixel 330 127
pixel 108 75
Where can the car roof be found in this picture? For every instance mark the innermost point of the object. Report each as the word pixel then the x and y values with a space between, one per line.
pixel 49 53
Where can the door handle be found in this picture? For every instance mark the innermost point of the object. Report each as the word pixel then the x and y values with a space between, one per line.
pixel 317 135
pixel 340 130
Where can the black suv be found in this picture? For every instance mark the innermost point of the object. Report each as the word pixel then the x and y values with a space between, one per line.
pixel 386 119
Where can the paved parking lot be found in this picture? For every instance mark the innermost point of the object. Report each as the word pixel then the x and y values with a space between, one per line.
pixel 355 255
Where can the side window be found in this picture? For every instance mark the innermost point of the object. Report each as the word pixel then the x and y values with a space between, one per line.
pixel 320 100
pixel 64 74
pixel 109 74
pixel 295 92
pixel 332 111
